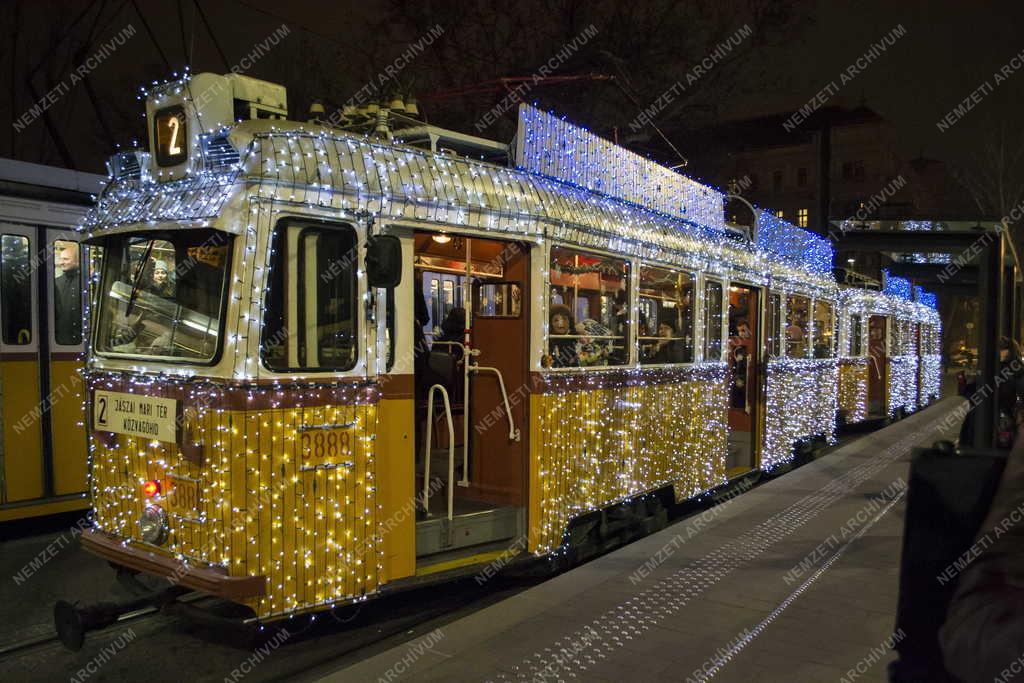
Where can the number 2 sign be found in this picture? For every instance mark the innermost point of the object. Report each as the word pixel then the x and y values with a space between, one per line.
pixel 170 131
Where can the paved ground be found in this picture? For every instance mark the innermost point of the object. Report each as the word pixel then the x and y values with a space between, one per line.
pixel 794 581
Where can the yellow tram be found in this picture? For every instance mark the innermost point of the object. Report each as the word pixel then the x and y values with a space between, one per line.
pixel 386 360
pixel 43 466
pixel 891 350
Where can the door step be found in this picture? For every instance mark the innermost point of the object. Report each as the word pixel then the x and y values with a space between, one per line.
pixel 439 534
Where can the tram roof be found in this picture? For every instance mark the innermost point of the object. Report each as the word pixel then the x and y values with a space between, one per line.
pixel 310 167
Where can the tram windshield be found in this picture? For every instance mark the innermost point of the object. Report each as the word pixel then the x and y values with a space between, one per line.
pixel 161 294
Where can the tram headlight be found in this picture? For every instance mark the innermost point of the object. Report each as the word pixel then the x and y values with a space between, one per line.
pixel 153 525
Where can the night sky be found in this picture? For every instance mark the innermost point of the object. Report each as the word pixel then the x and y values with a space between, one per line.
pixel 948 50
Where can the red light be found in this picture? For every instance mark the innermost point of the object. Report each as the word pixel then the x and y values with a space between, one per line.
pixel 151 488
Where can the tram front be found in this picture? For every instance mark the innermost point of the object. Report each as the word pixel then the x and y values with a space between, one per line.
pixel 214 462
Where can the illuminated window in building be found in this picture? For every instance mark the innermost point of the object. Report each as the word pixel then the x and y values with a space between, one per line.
pixel 666 316
pixel 823 330
pixel 773 339
pixel 801 218
pixel 713 320
pixel 310 307
pixel 797 316
pixel 780 213
pixel 856 335
pixel 588 313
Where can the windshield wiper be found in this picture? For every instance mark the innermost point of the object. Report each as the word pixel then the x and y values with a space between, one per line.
pixel 137 281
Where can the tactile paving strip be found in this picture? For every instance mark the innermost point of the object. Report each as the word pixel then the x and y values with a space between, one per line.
pixel 573 654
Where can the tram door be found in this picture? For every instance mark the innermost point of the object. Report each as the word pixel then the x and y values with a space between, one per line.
pixel 43 457
pixel 470 287
pixel 744 378
pixel 877 365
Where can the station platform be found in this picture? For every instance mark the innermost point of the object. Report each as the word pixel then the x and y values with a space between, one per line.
pixel 794 580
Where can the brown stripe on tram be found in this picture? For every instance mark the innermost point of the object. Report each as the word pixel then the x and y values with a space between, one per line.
pixel 551 383
pixel 264 396
pixel 19 355
pixel 67 355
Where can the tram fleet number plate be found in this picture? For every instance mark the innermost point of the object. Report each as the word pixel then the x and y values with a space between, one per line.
pixel 146 417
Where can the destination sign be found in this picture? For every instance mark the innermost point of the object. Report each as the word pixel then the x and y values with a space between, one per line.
pixel 146 417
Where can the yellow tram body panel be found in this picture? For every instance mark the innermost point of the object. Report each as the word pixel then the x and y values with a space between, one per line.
pixel 70 471
pixel 594 447
pixel 801 402
pixel 23 469
pixel 258 506
pixel 853 389
pixel 396 483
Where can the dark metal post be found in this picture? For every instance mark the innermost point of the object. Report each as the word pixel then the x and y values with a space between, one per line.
pixel 824 177
pixel 990 300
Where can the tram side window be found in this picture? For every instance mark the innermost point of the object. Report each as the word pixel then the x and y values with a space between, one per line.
pixel 899 340
pixel 856 336
pixel 797 316
pixel 67 293
pixel 498 300
pixel 588 315
pixel 772 338
pixel 713 320
pixel 310 311
pixel 666 316
pixel 823 330
pixel 16 275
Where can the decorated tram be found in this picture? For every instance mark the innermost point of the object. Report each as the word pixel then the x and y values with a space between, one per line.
pixel 380 360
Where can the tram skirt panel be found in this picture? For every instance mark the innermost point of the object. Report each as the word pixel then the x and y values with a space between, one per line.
pixel 801 403
pixel 902 383
pixel 595 447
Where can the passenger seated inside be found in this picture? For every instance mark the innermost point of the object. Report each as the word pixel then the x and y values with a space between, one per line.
pixel 562 346
pixel 667 348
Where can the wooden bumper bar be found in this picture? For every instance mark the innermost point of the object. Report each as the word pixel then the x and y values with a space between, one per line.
pixel 212 580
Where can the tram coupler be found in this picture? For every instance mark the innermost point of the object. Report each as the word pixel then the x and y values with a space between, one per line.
pixel 72 622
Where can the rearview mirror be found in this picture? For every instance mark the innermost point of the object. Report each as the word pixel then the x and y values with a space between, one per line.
pixel 384 261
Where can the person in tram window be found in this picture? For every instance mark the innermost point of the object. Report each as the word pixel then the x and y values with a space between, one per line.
pixel 161 283
pixel 666 349
pixel 561 348
pixel 67 297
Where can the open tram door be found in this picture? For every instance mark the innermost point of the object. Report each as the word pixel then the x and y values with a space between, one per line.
pixel 472 325
pixel 745 379
pixel 877 366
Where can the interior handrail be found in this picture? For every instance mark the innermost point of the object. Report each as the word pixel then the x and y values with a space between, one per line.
pixel 513 431
pixel 427 449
